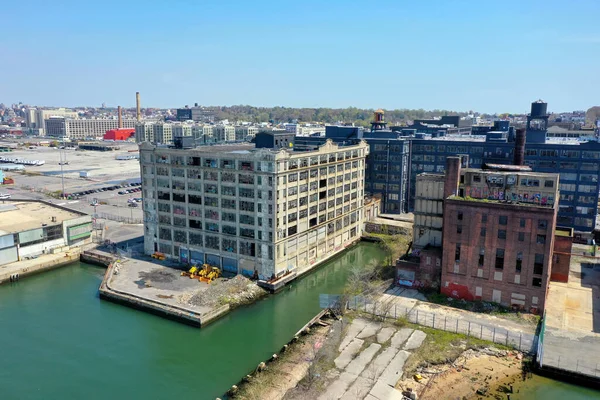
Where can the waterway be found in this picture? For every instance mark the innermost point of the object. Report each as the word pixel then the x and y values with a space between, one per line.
pixel 59 341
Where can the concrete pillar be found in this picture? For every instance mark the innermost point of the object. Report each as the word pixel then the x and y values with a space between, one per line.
pixel 452 176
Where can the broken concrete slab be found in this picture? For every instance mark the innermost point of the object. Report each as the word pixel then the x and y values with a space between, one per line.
pixel 370 329
pixel 415 340
pixel 379 364
pixel 393 372
pixel 400 337
pixel 348 353
pixel 385 334
pixel 359 389
pixel 337 389
pixel 354 329
pixel 357 365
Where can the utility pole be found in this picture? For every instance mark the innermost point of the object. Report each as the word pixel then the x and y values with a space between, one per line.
pixel 62 174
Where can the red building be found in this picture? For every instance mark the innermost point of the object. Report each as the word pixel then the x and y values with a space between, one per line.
pixel 119 134
pixel 498 234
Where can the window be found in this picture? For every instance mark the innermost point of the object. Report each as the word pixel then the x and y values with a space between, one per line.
pixel 538 264
pixel 457 253
pixel 476 178
pixel 537 282
pixel 481 257
pixel 549 184
pixel 458 228
pixel 484 218
pixel 460 216
pixel 522 223
pixel 501 234
pixel 519 263
pixel 541 239
pixel 521 236
pixel 542 224
pixel 483 232
pixel 503 220
pixel 499 259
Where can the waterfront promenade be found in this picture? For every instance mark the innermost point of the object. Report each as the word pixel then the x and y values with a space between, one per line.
pixel 570 341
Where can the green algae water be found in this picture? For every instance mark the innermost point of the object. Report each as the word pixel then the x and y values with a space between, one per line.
pixel 59 341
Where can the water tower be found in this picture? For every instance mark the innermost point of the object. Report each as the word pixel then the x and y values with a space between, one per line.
pixel 378 123
pixel 537 122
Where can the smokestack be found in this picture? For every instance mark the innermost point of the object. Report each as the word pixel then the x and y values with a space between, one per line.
pixel 138 110
pixel 452 176
pixel 519 157
pixel 120 116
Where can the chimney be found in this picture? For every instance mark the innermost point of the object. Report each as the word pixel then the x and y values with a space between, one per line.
pixel 519 157
pixel 120 116
pixel 137 106
pixel 452 176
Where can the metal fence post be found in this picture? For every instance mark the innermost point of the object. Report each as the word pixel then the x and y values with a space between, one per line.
pixel 433 321
pixel 481 332
pixel 506 343
pixel 395 311
pixel 469 331
pixel 494 337
pixel 417 316
pixel 456 325
pixel 445 322
pixel 520 339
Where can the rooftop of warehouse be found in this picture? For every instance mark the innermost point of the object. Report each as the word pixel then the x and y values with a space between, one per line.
pixel 18 216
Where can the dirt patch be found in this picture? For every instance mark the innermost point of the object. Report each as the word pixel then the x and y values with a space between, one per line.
pixel 284 374
pixel 158 276
pixel 473 375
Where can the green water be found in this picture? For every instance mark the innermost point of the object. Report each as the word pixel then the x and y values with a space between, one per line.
pixel 59 341
pixel 540 388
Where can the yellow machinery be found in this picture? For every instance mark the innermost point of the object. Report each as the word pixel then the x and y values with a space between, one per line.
pixel 192 273
pixel 159 256
pixel 210 273
pixel 207 273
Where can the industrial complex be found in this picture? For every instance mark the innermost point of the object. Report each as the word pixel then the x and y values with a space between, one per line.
pixel 260 212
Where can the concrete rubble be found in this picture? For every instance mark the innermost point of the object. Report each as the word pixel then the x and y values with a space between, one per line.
pixel 371 371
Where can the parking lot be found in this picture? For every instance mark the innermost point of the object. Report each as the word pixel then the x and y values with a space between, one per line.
pixel 110 184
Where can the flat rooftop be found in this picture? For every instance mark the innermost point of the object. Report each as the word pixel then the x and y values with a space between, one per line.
pixel 22 216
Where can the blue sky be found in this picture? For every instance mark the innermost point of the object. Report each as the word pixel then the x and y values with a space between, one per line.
pixel 489 56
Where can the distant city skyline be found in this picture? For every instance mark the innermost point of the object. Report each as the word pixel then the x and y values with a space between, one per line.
pixel 490 57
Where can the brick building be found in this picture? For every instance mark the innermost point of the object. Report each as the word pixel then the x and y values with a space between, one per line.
pixel 563 244
pixel 498 234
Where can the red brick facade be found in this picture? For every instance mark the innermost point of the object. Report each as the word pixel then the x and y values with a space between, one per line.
pixel 563 244
pixel 497 251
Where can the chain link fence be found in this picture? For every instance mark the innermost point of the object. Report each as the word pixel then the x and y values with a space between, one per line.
pixel 119 218
pixel 524 342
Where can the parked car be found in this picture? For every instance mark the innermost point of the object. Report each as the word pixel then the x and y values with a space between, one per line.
pixel 121 192
pixel 133 205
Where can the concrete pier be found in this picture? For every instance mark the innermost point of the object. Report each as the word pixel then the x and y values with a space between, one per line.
pixel 21 269
pixel 121 284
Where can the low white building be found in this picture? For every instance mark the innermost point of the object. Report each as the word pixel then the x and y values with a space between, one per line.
pixel 29 229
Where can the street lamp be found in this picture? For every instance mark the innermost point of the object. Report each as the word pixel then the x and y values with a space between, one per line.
pixel 62 174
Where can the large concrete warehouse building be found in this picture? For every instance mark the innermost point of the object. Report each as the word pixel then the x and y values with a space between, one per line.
pixel 29 229
pixel 253 211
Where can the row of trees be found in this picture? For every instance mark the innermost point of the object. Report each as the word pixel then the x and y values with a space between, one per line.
pixel 359 116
